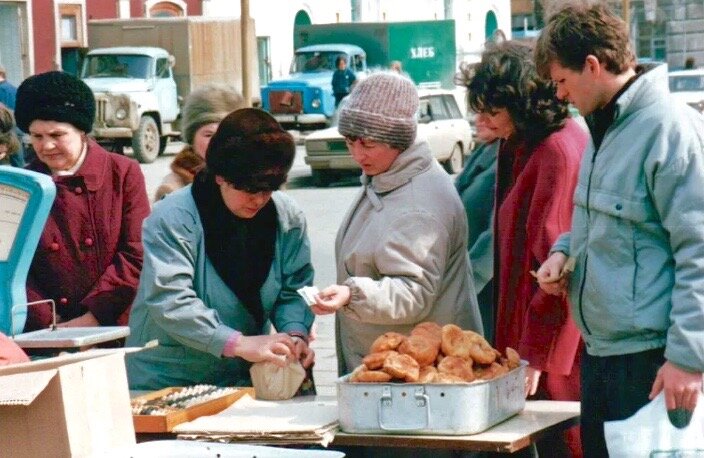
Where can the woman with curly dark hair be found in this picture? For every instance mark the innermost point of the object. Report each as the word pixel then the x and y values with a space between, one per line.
pixel 538 161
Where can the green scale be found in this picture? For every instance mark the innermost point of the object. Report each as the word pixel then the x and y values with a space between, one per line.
pixel 25 201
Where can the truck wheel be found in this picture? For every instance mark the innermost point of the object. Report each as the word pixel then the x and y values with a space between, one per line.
pixel 454 163
pixel 145 141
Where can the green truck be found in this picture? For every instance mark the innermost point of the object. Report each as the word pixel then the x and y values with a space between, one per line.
pixel 426 50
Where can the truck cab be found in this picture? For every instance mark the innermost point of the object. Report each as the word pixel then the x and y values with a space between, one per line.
pixel 305 99
pixel 136 98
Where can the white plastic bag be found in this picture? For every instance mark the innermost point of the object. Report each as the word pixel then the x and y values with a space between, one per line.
pixel 649 433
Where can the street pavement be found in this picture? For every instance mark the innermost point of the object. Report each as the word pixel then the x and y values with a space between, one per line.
pixel 324 209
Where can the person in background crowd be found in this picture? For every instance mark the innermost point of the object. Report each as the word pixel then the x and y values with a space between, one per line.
pixel 402 247
pixel 8 92
pixel 637 290
pixel 202 112
pixel 224 258
pixel 538 161
pixel 342 79
pixel 9 143
pixel 475 185
pixel 90 254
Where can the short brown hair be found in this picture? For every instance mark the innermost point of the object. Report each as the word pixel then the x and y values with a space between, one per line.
pixel 506 78
pixel 579 30
pixel 8 136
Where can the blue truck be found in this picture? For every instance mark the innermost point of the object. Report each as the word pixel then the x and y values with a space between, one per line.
pixel 304 100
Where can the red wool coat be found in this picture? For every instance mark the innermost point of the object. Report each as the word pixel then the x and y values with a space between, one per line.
pixel 534 201
pixel 89 256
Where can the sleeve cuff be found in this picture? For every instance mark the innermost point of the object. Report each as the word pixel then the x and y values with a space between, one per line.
pixel 231 344
pixel 216 347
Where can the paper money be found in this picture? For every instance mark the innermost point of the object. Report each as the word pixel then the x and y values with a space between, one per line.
pixel 308 294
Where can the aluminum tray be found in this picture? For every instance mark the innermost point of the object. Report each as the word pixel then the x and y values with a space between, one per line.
pixel 432 409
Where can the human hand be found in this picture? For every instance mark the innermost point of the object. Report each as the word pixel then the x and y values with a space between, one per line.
pixel 303 352
pixel 87 320
pixel 331 299
pixel 532 380
pixel 275 348
pixel 550 275
pixel 681 387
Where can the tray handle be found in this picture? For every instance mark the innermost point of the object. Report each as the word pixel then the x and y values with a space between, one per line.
pixel 386 402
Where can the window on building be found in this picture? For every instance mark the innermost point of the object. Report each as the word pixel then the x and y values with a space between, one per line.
pixel 71 25
pixel 166 9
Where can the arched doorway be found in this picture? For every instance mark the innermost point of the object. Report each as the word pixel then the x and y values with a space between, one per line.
pixel 174 8
pixel 490 25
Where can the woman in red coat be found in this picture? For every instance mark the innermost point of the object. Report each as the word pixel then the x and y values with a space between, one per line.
pixel 538 163
pixel 89 256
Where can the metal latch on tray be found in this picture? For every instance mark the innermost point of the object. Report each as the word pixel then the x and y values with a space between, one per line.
pixel 396 418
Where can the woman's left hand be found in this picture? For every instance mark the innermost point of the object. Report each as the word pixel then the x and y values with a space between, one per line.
pixel 331 299
pixel 303 352
pixel 532 380
pixel 86 320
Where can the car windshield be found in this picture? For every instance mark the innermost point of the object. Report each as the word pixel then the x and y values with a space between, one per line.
pixel 686 83
pixel 318 61
pixel 116 66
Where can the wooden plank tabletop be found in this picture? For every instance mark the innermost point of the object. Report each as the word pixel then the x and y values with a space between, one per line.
pixel 536 420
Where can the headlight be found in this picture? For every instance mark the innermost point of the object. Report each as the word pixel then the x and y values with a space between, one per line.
pixel 315 103
pixel 120 114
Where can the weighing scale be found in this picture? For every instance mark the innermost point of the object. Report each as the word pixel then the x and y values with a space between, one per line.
pixel 25 201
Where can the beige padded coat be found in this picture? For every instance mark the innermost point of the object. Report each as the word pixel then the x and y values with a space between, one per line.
pixel 402 250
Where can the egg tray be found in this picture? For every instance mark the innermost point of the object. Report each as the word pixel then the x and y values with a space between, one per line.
pixel 166 410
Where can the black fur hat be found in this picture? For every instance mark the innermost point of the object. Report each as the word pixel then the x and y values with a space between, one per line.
pixel 55 96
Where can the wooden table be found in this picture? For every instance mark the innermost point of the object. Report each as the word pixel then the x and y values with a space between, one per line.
pixel 539 418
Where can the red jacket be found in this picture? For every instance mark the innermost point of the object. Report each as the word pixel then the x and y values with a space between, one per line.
pixel 89 256
pixel 534 200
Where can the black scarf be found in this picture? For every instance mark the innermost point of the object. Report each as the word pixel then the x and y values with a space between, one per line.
pixel 241 250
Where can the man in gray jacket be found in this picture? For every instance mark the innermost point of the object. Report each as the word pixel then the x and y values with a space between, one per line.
pixel 637 289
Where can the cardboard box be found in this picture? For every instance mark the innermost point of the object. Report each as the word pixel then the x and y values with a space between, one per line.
pixel 76 405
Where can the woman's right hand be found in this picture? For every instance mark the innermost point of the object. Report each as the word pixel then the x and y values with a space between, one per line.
pixel 275 348
pixel 331 299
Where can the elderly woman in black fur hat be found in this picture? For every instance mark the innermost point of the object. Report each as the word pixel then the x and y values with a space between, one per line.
pixel 224 258
pixel 90 254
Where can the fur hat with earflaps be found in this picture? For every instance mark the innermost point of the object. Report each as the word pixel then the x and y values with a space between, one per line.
pixel 206 105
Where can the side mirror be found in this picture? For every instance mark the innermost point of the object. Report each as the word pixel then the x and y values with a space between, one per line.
pixel 425 118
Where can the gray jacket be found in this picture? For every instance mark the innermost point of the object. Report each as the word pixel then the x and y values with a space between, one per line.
pixel 183 302
pixel 638 230
pixel 402 250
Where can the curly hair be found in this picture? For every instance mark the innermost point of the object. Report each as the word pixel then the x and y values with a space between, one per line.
pixel 507 78
pixel 7 131
pixel 578 30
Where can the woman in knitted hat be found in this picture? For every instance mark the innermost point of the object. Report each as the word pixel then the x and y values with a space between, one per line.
pixel 402 248
pixel 90 254
pixel 224 258
pixel 202 112
pixel 9 143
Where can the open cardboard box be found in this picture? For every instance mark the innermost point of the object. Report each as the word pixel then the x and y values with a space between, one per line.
pixel 75 405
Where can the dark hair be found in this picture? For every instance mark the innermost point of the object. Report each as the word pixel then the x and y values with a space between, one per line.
pixel 7 130
pixel 251 151
pixel 577 31
pixel 339 59
pixel 506 78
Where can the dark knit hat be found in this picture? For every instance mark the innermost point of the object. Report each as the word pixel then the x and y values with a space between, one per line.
pixel 383 108
pixel 208 104
pixel 55 96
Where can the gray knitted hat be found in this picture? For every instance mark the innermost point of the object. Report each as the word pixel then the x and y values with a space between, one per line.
pixel 208 104
pixel 383 108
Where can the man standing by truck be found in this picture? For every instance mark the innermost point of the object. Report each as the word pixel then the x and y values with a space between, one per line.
pixel 342 79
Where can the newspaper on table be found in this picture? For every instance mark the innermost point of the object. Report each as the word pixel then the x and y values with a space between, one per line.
pixel 302 420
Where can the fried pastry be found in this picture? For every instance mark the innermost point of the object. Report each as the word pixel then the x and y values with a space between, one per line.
pixel 364 375
pixel 423 348
pixel 459 367
pixel 493 370
pixel 387 341
pixel 448 378
pixel 514 360
pixel 428 328
pixel 455 342
pixel 427 374
pixel 480 350
pixel 375 361
pixel 402 367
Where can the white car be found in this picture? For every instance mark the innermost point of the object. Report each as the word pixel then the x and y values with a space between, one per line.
pixel 688 86
pixel 440 122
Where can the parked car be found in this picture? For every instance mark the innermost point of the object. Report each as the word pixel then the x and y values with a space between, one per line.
pixel 688 86
pixel 440 122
